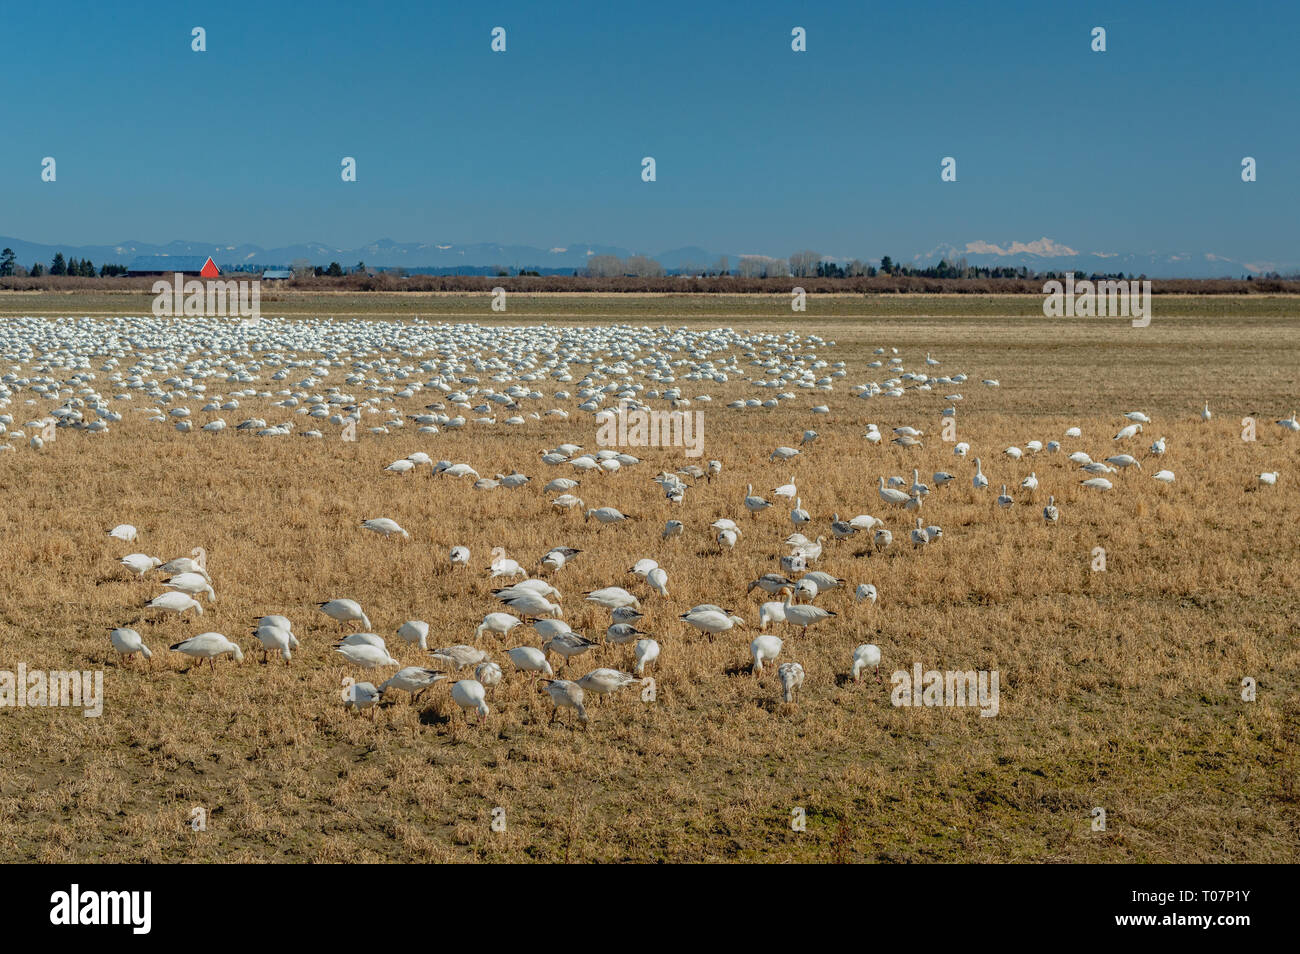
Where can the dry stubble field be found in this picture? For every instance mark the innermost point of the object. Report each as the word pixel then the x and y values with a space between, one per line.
pixel 1119 689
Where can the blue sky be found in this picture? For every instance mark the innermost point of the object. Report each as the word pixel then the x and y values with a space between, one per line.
pixel 758 149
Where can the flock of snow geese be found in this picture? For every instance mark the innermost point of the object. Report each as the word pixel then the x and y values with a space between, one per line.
pixel 467 376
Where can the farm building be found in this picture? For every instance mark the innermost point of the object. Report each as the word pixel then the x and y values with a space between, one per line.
pixel 277 275
pixel 166 264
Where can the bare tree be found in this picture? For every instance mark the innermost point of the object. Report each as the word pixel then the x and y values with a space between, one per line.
pixel 302 268
pixel 803 264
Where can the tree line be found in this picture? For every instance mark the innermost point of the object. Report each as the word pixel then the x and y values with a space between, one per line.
pixel 80 268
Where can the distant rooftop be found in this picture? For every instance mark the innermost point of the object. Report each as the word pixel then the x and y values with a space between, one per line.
pixel 281 273
pixel 167 263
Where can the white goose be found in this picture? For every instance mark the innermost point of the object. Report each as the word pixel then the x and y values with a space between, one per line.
pixel 804 615
pixel 470 695
pixel 128 642
pixel 891 496
pixel 754 504
pixel 791 675
pixel 764 649
pixel 866 655
pixel 979 481
pixel 209 646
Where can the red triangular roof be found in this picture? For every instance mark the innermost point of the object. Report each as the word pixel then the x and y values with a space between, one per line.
pixel 210 269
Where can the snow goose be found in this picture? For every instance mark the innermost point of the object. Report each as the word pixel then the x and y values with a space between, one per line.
pixel 770 613
pixel 891 496
pixel 412 679
pixel 345 611
pixel 1097 483
pixel 1289 423
pixel 882 539
pixel 469 695
pixel 770 583
pixel 979 481
pixel 605 515
pixel 208 646
pixel 367 656
pixel 764 649
pixel 191 584
pixel 1030 483
pixel 1004 500
pixel 612 597
pixel 866 591
pixel 1124 460
pixel 568 644
pixel 459 656
pixel 275 639
pixel 128 643
pixel 606 681
pixel 657 579
pixel 804 615
pixel 791 675
pixel 459 556
pixel 712 621
pixel 788 491
pixel 361 695
pixel 384 526
pixel 139 563
pixel 799 516
pixel 415 631
pixel 489 674
pixel 564 694
pixel 1164 476
pixel 529 659
pixel 647 653
pixel 499 624
pixel 1205 413
pixel 866 656
pixel 673 528
pixel 754 504
pixel 174 602
pixel 1050 513
pixel 1268 478
pixel 919 537
pixel 124 532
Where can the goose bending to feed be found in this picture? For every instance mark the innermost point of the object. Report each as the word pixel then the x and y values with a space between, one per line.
pixel 459 556
pixel 564 695
pixel 673 528
pixel 770 583
pixel 866 656
pixel 606 681
pixel 498 623
pixel 469 694
pixel 209 646
pixel 128 642
pixel 362 695
pixel 1097 483
pixel 804 615
pixel 275 640
pixel 384 526
pixel 882 539
pixel 174 602
pixel 613 597
pixel 139 563
pixel 191 584
pixel 713 620
pixel 647 653
pixel 489 674
pixel 412 679
pixel 791 676
pixel 1124 460
pixel 569 644
pixel 366 655
pixel 764 649
pixel 1268 478
pixel 1164 476
pixel 605 515
pixel 345 611
pixel 770 613
pixel 529 659
pixel 459 656
pixel 415 631
pixel 124 532
pixel 866 591
pixel 823 581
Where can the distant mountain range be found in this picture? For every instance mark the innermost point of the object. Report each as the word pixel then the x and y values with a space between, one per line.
pixel 1041 256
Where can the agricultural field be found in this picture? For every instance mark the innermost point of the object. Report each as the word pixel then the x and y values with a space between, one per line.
pixel 1121 688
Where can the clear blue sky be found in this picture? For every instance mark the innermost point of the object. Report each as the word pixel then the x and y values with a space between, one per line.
pixel 759 149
